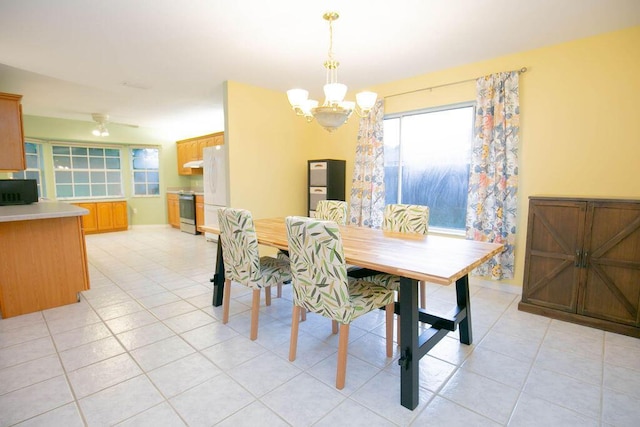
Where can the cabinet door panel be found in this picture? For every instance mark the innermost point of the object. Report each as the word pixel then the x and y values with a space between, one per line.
pixel 612 288
pixel 120 217
pixel 555 237
pixel 105 216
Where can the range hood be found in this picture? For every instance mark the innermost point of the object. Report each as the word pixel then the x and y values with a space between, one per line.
pixel 195 164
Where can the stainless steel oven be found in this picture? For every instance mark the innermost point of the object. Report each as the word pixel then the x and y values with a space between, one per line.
pixel 188 213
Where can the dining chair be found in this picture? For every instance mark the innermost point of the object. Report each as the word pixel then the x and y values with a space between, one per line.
pixel 321 285
pixel 401 218
pixel 332 210
pixel 243 264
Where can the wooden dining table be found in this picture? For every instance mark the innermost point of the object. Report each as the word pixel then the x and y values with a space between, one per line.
pixel 431 258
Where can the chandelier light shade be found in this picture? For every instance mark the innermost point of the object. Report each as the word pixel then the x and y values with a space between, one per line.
pixel 335 111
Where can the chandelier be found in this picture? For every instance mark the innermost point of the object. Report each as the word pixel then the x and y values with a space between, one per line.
pixel 335 111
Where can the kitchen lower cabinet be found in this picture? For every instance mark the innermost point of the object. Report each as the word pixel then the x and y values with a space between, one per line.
pixel 173 210
pixel 104 217
pixel 582 262
pixel 199 212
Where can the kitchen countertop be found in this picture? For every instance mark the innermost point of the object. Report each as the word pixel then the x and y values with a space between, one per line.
pixel 178 190
pixel 40 210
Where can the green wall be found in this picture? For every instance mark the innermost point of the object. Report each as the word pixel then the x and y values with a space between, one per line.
pixel 148 210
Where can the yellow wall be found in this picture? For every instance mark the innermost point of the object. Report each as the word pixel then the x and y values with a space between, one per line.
pixel 268 151
pixel 579 106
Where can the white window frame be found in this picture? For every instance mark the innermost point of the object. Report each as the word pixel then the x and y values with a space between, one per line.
pixel 432 228
pixel 146 171
pixel 39 170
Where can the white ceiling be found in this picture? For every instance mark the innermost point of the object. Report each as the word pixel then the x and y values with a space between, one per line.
pixel 161 63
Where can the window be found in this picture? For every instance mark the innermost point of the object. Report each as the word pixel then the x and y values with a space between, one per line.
pixel 427 156
pixel 82 172
pixel 33 155
pixel 146 177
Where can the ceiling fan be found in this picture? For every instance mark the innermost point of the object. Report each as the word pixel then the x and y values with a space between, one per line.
pixel 102 120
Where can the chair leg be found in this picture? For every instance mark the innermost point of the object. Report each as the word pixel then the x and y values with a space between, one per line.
pixel 293 342
pixel 343 342
pixel 267 295
pixel 255 310
pixel 226 296
pixel 279 294
pixel 334 327
pixel 423 294
pixel 389 324
pixel 303 314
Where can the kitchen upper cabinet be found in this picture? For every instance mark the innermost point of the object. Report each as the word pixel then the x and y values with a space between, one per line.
pixel 582 262
pixel 191 150
pixel 104 217
pixel 173 210
pixel 11 133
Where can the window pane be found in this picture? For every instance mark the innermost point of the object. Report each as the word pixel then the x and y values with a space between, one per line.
pixel 63 177
pixel 111 152
pixel 96 162
pixel 60 162
pixel 140 189
pixel 145 162
pixel 82 190
pixel 96 152
pixel 113 177
pixel 114 189
pixel 98 177
pixel 64 190
pixel 80 163
pixel 98 190
pixel 432 151
pixel 30 148
pixel 81 177
pixel 32 175
pixel 79 151
pixel 112 163
pixel 60 150
pixel 32 161
pixel 154 189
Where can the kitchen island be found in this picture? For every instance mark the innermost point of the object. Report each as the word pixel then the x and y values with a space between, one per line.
pixel 43 258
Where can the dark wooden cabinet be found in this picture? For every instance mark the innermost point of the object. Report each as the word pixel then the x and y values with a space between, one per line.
pixel 582 262
pixel 326 179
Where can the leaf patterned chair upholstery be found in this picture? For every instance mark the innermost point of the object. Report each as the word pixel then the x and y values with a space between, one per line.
pixel 333 210
pixel 243 264
pixel 403 219
pixel 321 285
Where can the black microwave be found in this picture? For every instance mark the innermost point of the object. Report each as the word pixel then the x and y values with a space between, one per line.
pixel 18 191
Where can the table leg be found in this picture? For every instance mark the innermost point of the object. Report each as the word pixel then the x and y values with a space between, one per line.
pixel 463 300
pixel 218 278
pixel 409 359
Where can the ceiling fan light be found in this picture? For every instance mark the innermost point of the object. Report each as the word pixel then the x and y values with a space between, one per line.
pixel 96 132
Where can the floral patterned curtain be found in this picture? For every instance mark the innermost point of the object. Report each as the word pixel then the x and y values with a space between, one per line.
pixel 367 188
pixel 493 180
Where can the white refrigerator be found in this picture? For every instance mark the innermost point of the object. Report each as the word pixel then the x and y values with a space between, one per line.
pixel 215 185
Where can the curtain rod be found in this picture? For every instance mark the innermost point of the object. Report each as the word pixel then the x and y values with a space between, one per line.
pixel 519 71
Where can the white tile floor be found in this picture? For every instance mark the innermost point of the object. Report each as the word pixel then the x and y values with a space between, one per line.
pixel 145 347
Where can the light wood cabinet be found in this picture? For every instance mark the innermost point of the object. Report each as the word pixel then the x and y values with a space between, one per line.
pixel 191 150
pixel 199 212
pixel 43 264
pixel 173 210
pixel 104 216
pixel 11 133
pixel 89 221
pixel 582 262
